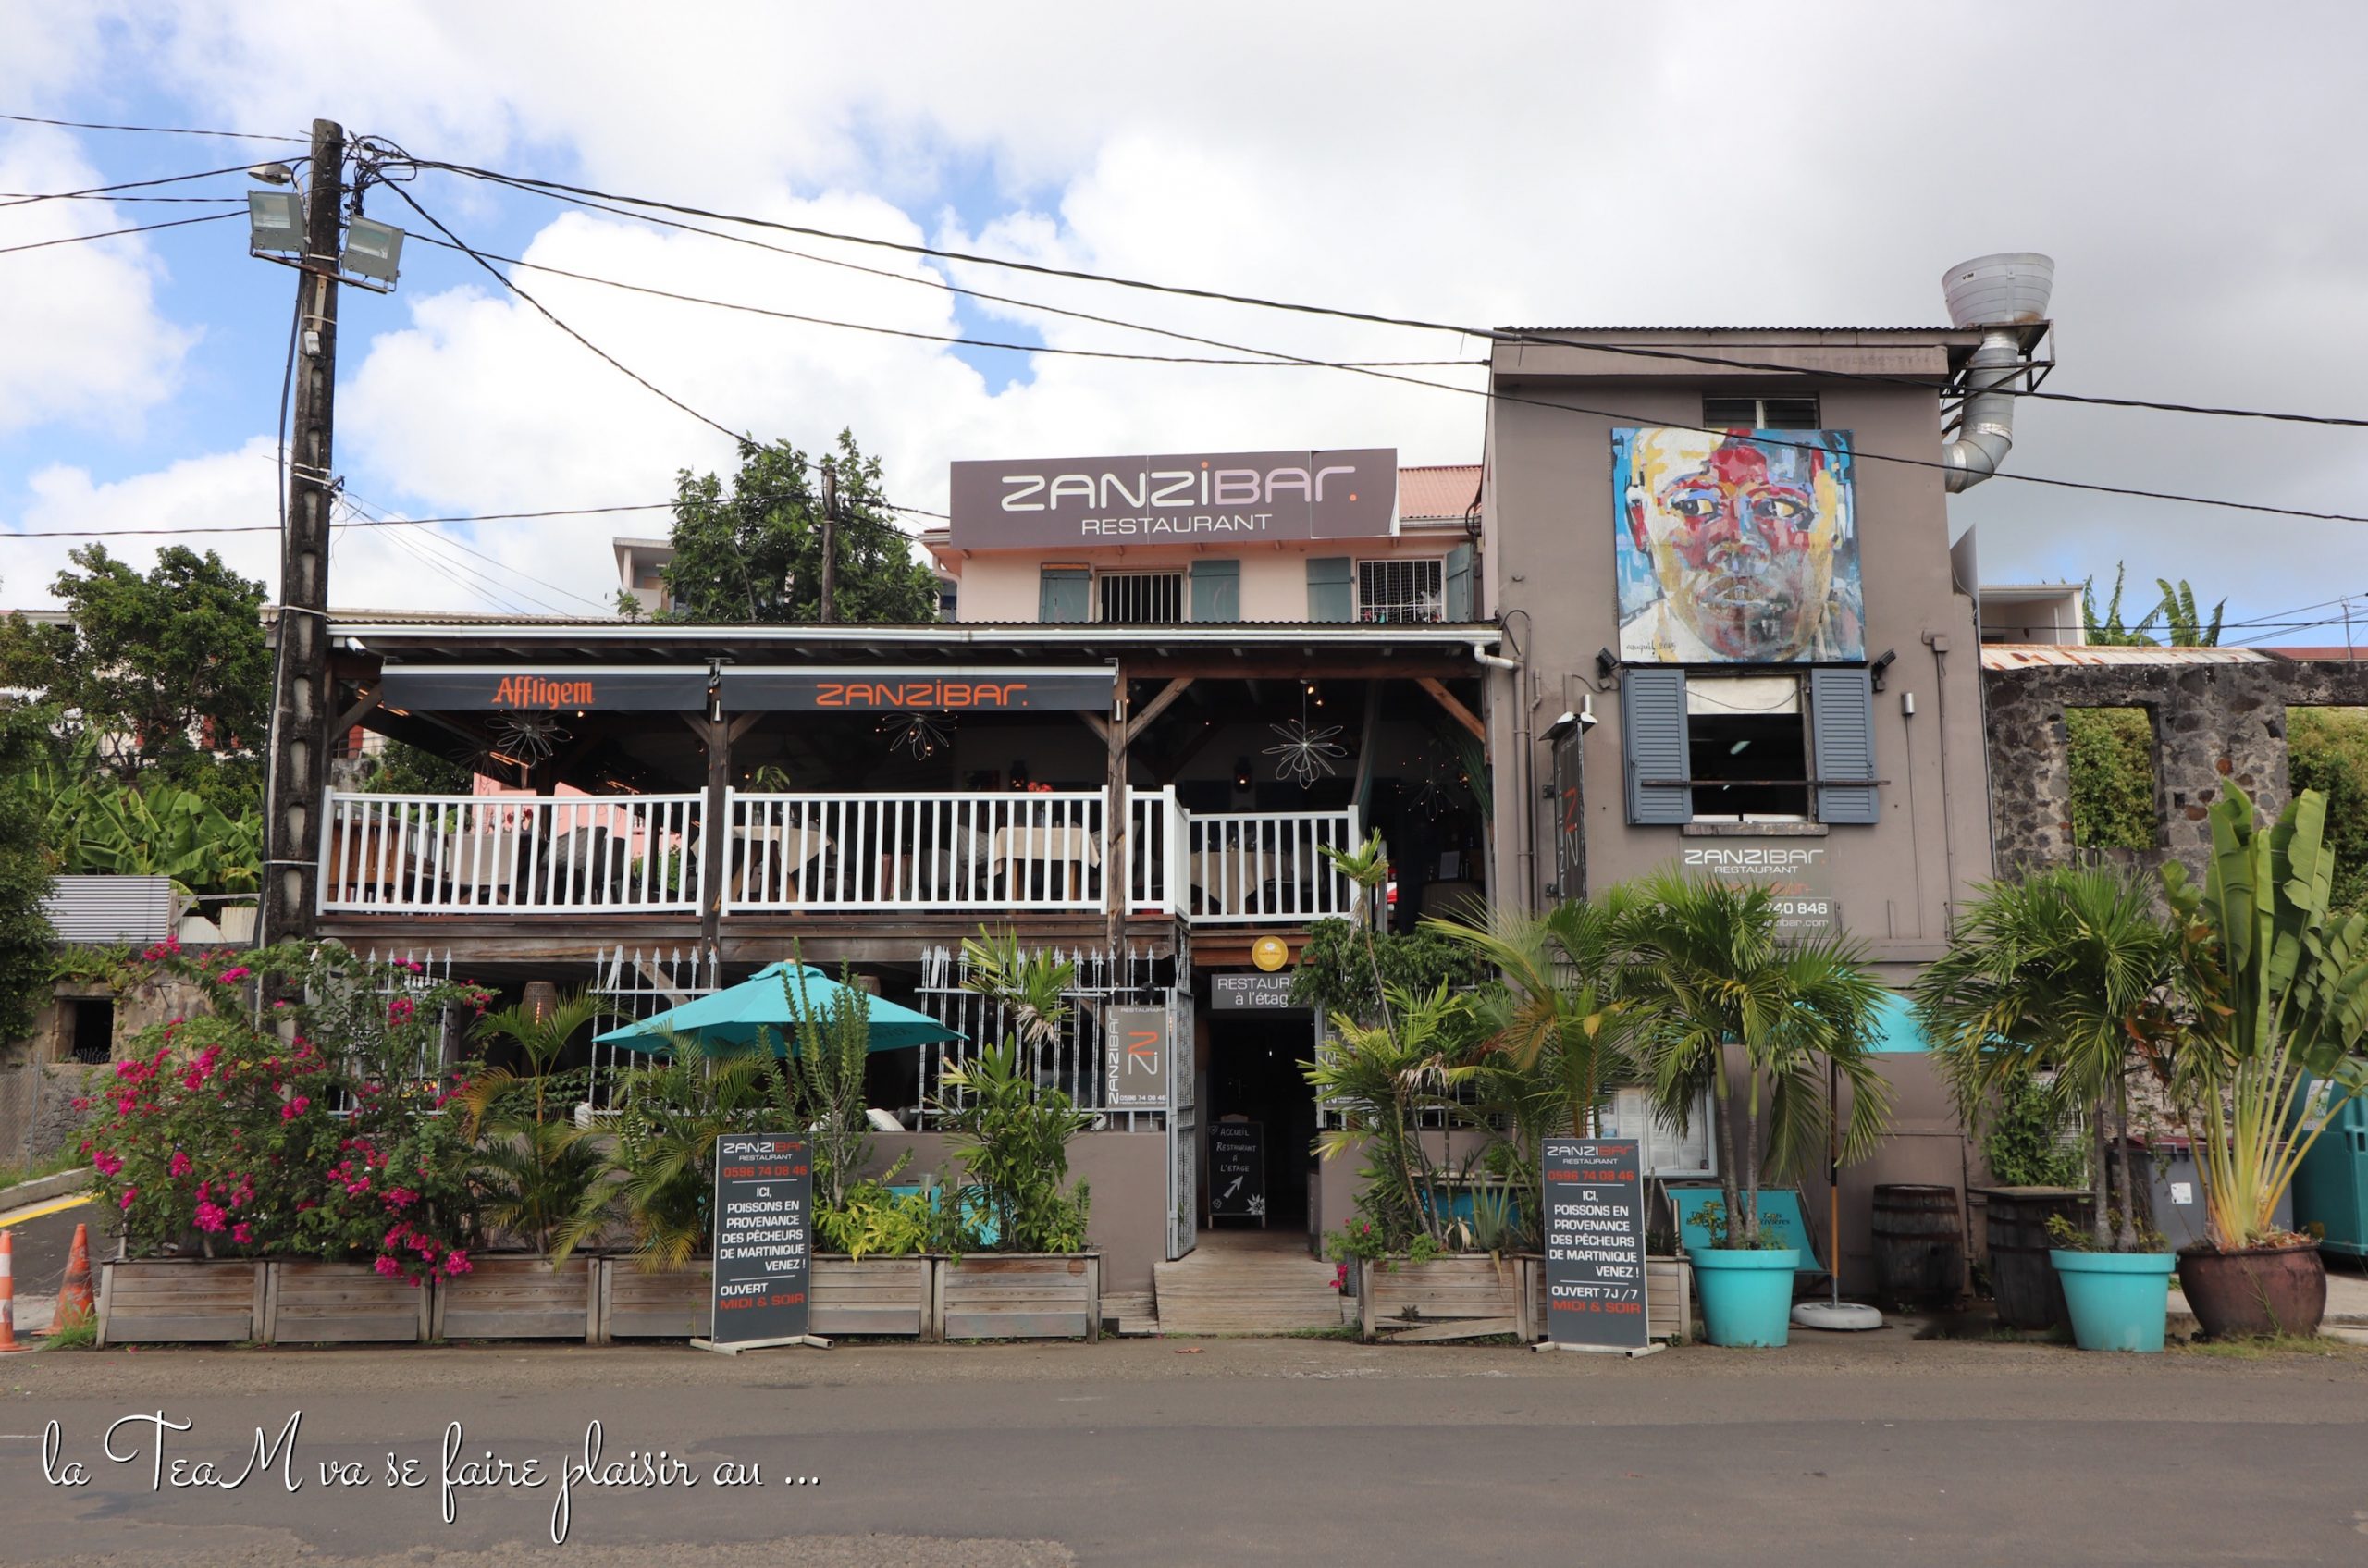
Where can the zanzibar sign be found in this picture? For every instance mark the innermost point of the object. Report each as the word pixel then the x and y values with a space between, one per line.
pixel 764 1198
pixel 789 688
pixel 1794 873
pixel 1594 1243
pixel 1192 497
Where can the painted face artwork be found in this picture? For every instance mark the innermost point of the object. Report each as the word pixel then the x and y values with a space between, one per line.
pixel 1739 547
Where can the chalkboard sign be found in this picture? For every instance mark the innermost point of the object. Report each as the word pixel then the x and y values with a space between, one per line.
pixel 764 1201
pixel 1237 1171
pixel 1594 1244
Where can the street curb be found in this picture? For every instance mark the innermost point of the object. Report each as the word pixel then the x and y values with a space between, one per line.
pixel 26 1193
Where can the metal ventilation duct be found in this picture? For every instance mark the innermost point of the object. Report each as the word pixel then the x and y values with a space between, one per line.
pixel 1997 293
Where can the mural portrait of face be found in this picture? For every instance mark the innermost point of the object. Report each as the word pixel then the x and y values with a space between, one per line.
pixel 1736 549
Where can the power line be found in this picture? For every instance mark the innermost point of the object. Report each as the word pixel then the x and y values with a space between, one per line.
pixel 1267 362
pixel 150 130
pixel 375 512
pixel 1499 335
pixel 63 196
pixel 116 233
pixel 126 185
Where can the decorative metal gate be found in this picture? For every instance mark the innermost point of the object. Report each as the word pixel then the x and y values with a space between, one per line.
pixel 1183 1127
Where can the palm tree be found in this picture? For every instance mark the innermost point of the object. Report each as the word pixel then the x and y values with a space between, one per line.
pixel 2067 970
pixel 668 1117
pixel 1723 1005
pixel 537 1173
pixel 1382 1080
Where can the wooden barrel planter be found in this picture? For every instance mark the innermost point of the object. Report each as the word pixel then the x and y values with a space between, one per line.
pixel 519 1298
pixel 1450 1298
pixel 181 1301
pixel 891 1296
pixel 2022 1276
pixel 1668 1299
pixel 1020 1296
pixel 667 1304
pixel 1919 1247
pixel 312 1303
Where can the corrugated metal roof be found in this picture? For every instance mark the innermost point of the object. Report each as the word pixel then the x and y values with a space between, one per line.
pixel 1889 331
pixel 2338 655
pixel 111 909
pixel 2026 656
pixel 1445 490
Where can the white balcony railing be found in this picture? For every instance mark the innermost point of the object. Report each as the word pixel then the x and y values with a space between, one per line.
pixel 978 852
pixel 1264 868
pixel 936 851
pixel 445 855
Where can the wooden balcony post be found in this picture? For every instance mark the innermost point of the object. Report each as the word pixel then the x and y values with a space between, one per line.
pixel 715 830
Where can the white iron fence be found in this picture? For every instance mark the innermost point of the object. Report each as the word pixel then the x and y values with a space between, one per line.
pixel 425 854
pixel 1073 1061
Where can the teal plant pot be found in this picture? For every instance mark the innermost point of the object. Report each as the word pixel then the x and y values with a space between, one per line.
pixel 2119 1301
pixel 1746 1294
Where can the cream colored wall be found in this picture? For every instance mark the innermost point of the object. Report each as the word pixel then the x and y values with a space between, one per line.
pixel 1003 585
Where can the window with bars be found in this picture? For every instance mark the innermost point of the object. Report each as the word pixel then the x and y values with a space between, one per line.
pixel 1400 590
pixel 1762 414
pixel 1142 598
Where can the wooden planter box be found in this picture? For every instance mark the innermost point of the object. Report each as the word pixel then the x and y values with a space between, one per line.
pixel 893 1296
pixel 1452 1298
pixel 520 1298
pixel 311 1301
pixel 882 1296
pixel 1021 1296
pixel 1669 1298
pixel 638 1304
pixel 176 1300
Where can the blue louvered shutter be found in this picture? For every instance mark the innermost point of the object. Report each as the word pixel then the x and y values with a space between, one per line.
pixel 1458 585
pixel 1216 591
pixel 1065 594
pixel 1331 588
pixel 1652 739
pixel 1842 744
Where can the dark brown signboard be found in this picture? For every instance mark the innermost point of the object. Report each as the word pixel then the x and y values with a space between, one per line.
pixel 1594 1243
pixel 1251 992
pixel 478 688
pixel 1177 498
pixel 764 1201
pixel 754 689
pixel 1237 1171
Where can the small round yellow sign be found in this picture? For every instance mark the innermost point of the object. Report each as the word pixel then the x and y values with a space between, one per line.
pixel 1270 953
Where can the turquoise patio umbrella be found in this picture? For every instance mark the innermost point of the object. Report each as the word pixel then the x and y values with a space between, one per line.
pixel 734 1017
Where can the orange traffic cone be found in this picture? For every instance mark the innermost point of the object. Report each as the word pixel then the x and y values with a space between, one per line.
pixel 8 1293
pixel 74 1306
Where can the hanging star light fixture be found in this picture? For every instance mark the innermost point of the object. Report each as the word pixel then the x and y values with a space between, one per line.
pixel 527 738
pixel 1305 754
pixel 922 734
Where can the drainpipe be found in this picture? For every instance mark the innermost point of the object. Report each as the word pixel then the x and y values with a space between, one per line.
pixel 1526 852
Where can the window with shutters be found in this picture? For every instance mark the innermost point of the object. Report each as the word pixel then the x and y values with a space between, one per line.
pixel 1142 598
pixel 1762 414
pixel 1395 589
pixel 1746 748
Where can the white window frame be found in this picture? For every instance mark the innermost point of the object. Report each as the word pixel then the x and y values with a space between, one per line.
pixel 1704 688
pixel 1760 411
pixel 1177 574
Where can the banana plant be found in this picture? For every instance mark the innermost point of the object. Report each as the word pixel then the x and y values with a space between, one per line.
pixel 2278 987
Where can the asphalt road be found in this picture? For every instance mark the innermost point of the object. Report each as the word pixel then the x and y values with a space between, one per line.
pixel 40 1245
pixel 1874 1449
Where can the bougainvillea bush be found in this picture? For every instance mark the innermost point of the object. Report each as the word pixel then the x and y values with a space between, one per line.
pixel 311 1125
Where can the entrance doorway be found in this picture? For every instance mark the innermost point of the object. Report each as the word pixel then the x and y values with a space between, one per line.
pixel 1255 1081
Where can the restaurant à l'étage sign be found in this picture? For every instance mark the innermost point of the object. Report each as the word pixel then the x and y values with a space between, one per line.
pixel 1175 497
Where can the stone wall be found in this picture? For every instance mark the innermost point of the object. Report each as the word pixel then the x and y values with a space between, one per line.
pixel 2214 723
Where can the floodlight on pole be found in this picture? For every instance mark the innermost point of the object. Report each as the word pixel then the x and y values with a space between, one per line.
pixel 373 250
pixel 275 224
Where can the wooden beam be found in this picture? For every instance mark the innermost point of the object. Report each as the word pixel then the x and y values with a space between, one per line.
pixel 1157 706
pixel 1455 709
pixel 1097 724
pixel 346 721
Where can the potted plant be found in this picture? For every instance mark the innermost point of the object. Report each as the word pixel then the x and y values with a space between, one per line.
pixel 2069 971
pixel 1036 1277
pixel 1722 1003
pixel 2275 986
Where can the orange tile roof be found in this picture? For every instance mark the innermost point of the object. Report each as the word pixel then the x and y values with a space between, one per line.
pixel 1448 490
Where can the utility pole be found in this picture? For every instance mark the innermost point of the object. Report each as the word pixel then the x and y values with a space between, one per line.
pixel 299 706
pixel 830 540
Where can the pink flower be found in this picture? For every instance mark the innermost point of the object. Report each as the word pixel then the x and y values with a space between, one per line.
pixel 243 1233
pixel 107 1161
pixel 401 1009
pixel 456 1262
pixel 209 1217
pixel 387 1266
pixel 294 1109
pixel 129 1193
pixel 179 1165
pixel 241 972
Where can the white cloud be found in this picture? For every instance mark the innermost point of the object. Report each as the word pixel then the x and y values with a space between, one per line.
pixel 1534 164
pixel 231 489
pixel 84 343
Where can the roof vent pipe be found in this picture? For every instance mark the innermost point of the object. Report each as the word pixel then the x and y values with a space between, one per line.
pixel 1998 293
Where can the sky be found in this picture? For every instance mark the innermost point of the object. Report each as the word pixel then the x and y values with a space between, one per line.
pixel 1814 163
